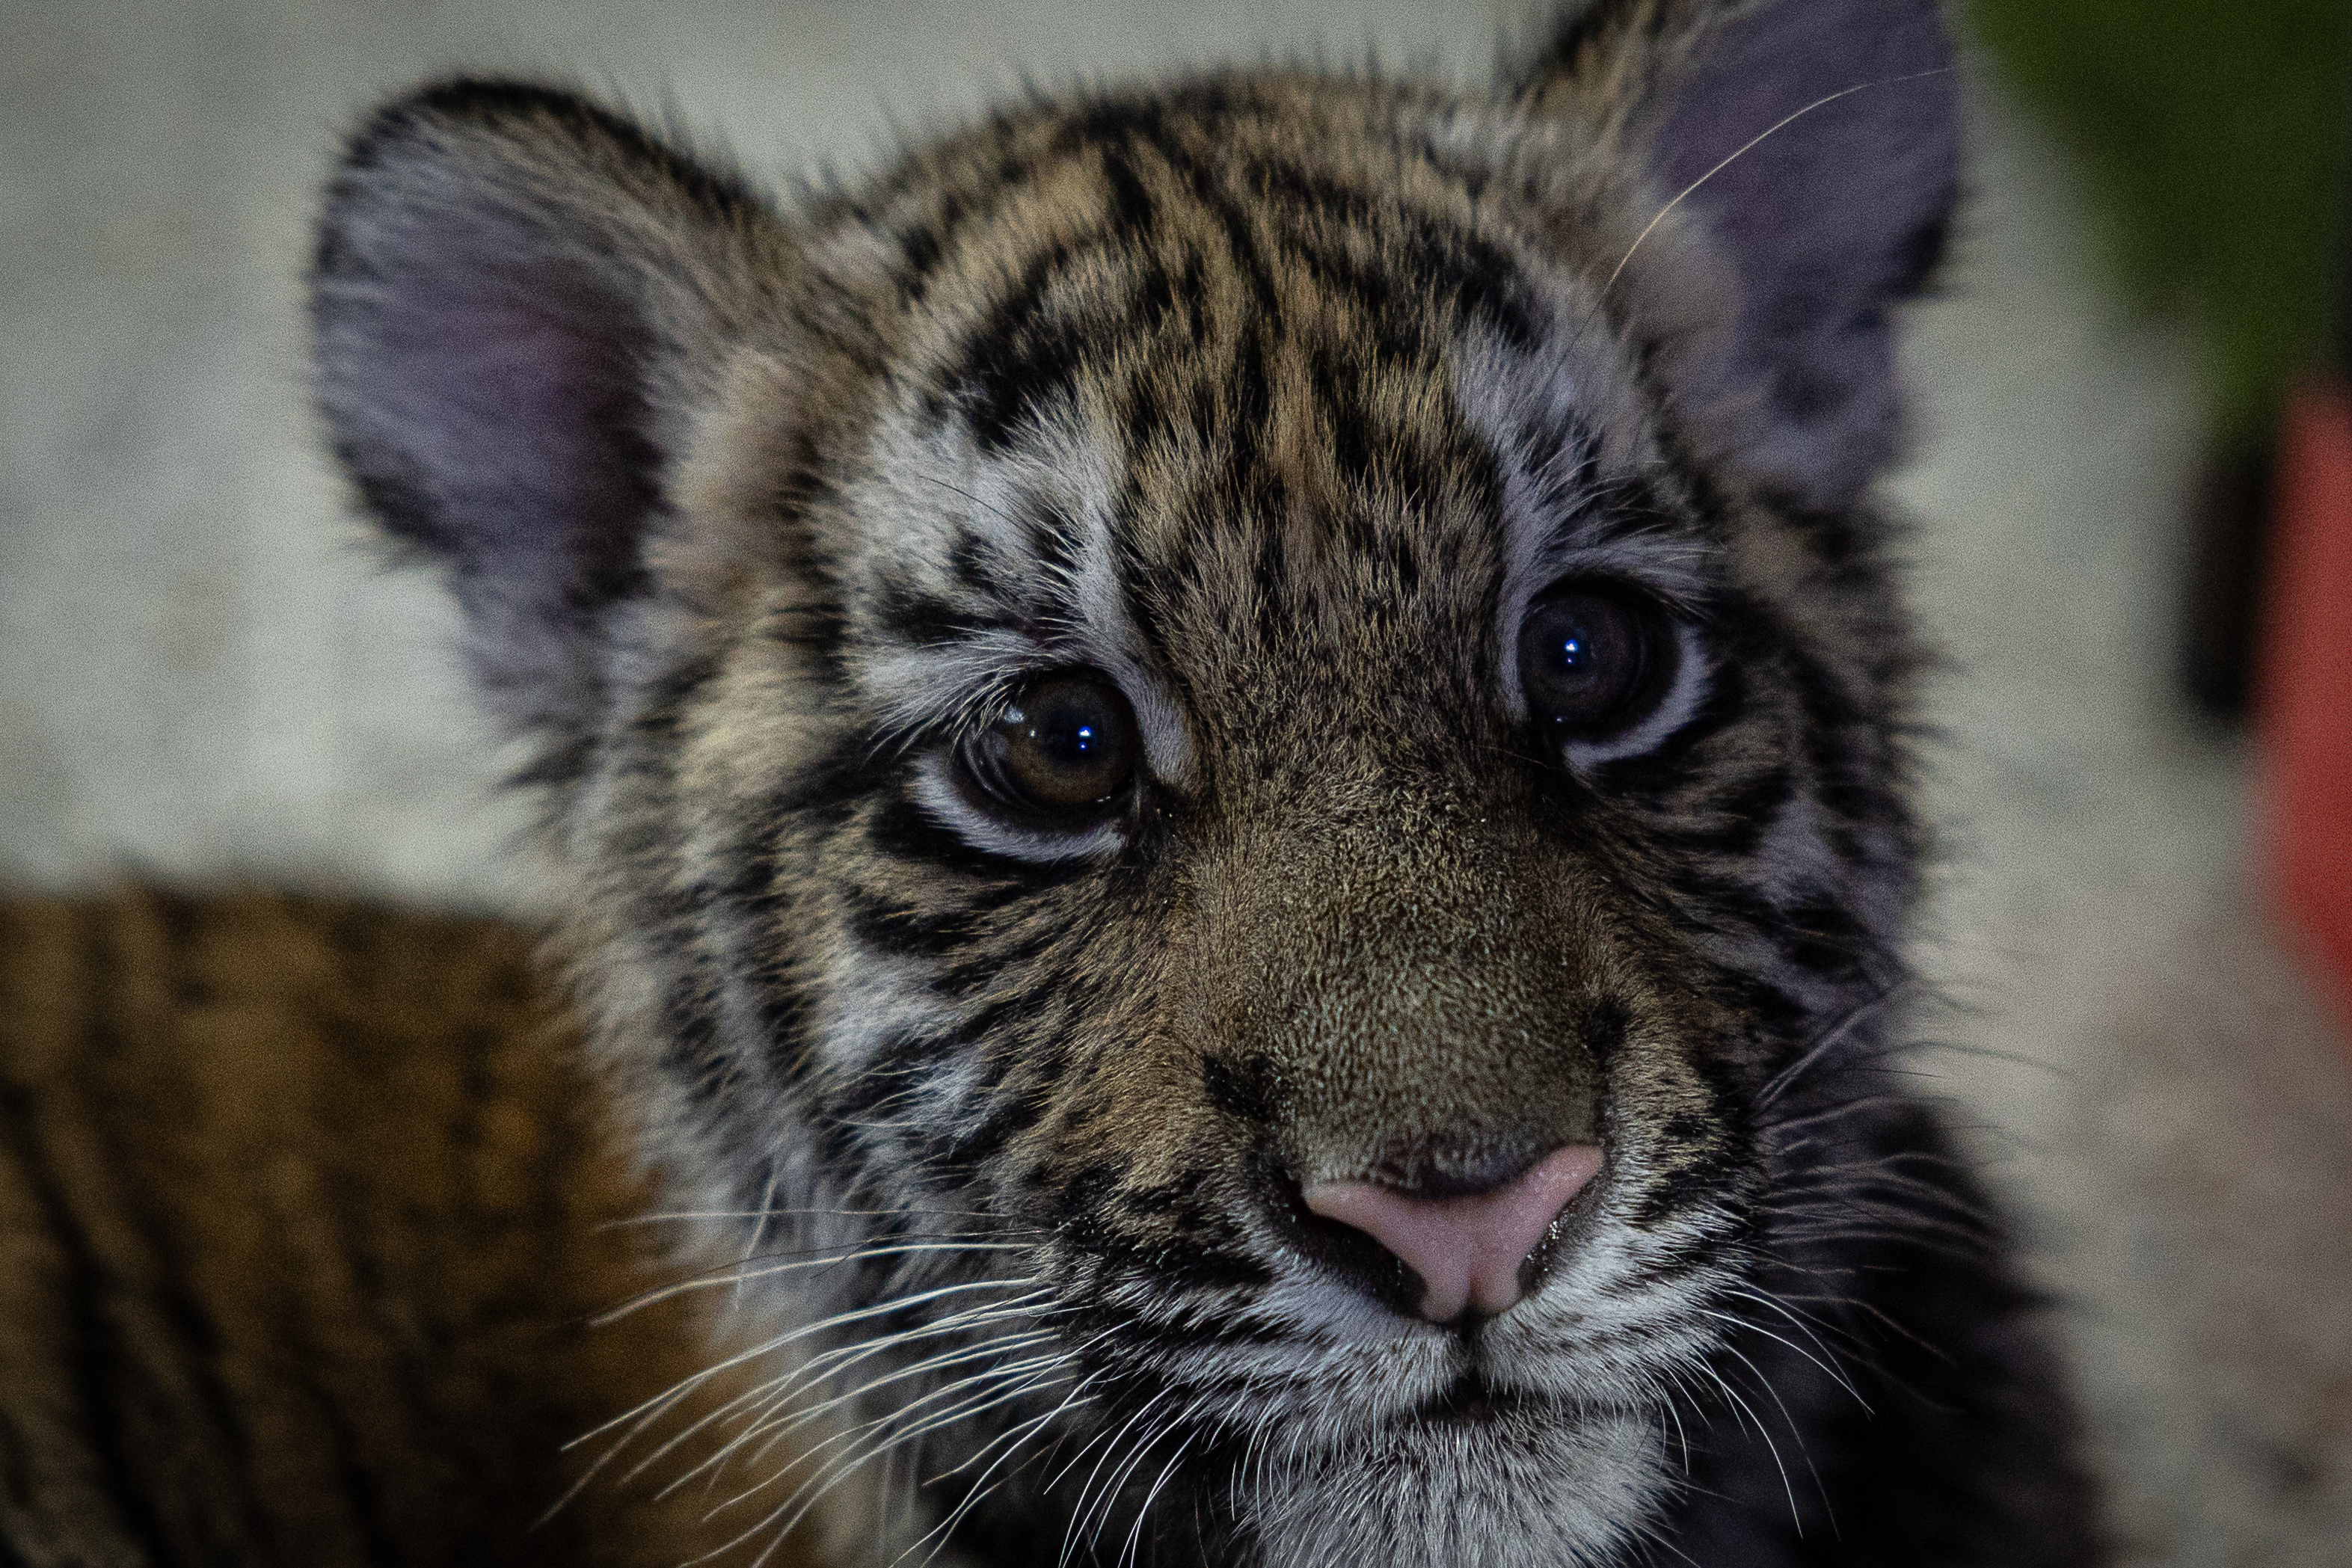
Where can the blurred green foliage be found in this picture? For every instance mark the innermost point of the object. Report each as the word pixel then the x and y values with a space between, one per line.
pixel 2218 139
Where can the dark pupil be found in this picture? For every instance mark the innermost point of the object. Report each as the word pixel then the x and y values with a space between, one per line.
pixel 1066 742
pixel 1069 737
pixel 1585 661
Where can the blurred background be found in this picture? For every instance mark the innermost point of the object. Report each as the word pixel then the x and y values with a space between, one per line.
pixel 205 676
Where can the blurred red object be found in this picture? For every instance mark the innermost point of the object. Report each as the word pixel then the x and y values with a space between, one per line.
pixel 2304 716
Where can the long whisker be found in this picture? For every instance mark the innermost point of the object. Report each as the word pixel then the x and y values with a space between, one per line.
pixel 769 1346
pixel 1828 1041
pixel 992 1351
pixel 783 1391
pixel 642 1417
pixel 982 1486
pixel 796 1507
pixel 1079 1514
pixel 1769 1446
pixel 659 1216
pixel 1750 144
pixel 1151 1495
pixel 815 1258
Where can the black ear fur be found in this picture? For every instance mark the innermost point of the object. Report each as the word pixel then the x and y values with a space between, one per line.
pixel 1826 223
pixel 512 295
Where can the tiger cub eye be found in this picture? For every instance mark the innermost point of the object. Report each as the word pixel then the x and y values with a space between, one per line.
pixel 1594 660
pixel 1066 743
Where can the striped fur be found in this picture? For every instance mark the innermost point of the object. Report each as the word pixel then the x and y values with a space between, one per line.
pixel 1276 400
pixel 304 1212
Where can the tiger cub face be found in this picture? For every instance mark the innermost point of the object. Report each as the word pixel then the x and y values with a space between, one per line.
pixel 1236 735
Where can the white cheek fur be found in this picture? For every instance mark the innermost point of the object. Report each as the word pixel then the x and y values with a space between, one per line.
pixel 945 804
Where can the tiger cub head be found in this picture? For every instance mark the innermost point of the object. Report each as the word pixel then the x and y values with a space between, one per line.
pixel 1231 734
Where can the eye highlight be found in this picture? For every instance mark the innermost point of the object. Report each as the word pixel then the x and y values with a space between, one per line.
pixel 1064 746
pixel 1595 659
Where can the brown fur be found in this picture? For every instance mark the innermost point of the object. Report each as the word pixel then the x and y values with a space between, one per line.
pixel 304 1210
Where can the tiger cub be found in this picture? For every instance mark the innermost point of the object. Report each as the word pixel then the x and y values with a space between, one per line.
pixel 1232 759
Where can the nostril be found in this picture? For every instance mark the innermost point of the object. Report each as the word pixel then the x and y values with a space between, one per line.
pixel 1435 1170
pixel 1466 1250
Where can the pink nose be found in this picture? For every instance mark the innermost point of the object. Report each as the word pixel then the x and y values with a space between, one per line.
pixel 1467 1251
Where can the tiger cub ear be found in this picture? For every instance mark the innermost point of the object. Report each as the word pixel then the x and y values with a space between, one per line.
pixel 1837 213
pixel 515 299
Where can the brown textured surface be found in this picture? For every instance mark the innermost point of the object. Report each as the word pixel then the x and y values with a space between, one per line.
pixel 302 1215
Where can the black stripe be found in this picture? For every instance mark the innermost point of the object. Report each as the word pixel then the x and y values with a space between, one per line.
pixel 692 1053
pixel 1013 361
pixel 1014 948
pixel 1581 29
pixel 10 1557
pixel 1689 1258
pixel 1247 1087
pixel 361 1489
pixel 354 1238
pixel 1706 1168
pixel 1426 257
pixel 1604 1030
pixel 899 827
pixel 97 1356
pixel 923 245
pixel 16 1466
pixel 1132 209
pixel 665 699
pixel 1737 820
pixel 1202 1249
pixel 172 1291
pixel 882 924
pixel 827 787
pixel 1824 937
pixel 914 615
pixel 1009 1116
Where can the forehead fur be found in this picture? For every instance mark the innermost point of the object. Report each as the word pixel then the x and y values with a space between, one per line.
pixel 1265 395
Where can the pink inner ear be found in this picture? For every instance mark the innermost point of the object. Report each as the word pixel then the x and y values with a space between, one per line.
pixel 524 415
pixel 1820 146
pixel 497 398
pixel 1467 1251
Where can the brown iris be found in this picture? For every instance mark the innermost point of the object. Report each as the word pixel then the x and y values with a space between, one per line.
pixel 1065 745
pixel 1594 659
